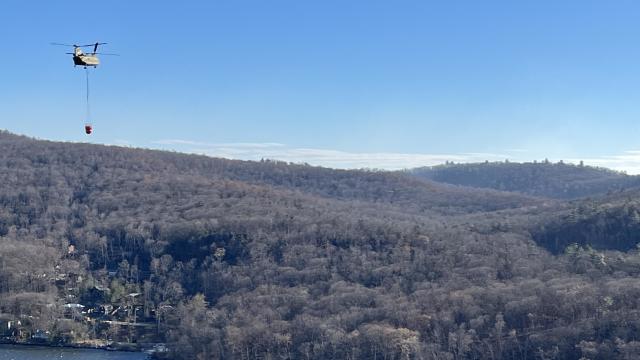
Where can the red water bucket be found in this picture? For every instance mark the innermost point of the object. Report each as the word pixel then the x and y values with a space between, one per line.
pixel 88 129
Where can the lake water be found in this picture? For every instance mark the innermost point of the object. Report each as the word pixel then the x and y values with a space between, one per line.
pixel 20 352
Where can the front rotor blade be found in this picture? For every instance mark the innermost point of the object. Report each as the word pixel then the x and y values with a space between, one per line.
pixel 94 44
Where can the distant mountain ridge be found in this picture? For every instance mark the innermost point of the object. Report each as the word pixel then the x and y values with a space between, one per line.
pixel 558 181
pixel 379 187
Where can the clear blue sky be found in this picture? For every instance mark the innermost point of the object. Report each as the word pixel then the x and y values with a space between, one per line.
pixel 339 83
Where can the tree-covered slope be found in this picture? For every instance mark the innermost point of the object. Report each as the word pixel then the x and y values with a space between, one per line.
pixel 561 181
pixel 232 259
pixel 609 222
pixel 82 166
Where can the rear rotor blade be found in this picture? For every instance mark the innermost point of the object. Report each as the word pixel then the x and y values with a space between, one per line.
pixel 59 44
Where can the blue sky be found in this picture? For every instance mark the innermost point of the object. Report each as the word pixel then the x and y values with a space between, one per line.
pixel 362 83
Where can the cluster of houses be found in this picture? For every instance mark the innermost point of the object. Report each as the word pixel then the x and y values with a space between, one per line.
pixel 103 323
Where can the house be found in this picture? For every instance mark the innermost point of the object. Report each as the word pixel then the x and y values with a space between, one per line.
pixel 40 336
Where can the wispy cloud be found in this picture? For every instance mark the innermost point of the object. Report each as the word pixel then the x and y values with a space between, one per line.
pixel 323 157
pixel 121 142
pixel 628 161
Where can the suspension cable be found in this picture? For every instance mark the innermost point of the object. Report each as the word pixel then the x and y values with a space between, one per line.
pixel 88 108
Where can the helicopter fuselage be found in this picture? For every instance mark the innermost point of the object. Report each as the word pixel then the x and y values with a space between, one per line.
pixel 86 60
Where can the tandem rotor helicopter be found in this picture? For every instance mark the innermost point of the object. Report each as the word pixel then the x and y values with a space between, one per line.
pixel 86 60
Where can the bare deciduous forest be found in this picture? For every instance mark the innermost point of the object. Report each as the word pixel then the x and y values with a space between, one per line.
pixel 235 259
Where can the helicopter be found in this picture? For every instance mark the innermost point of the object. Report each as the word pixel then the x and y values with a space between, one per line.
pixel 80 58
pixel 86 60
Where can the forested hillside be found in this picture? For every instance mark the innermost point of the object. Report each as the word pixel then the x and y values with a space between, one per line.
pixel 559 180
pixel 610 222
pixel 235 259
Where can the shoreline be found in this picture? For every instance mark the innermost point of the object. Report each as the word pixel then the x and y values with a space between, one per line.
pixel 123 347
